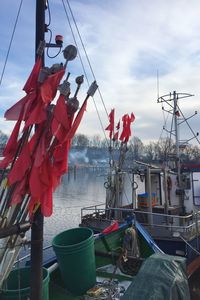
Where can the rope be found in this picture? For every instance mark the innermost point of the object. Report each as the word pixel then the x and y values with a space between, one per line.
pixel 49 13
pixel 169 135
pixel 50 38
pixel 91 69
pixel 79 55
pixel 10 44
pixel 188 125
pixel 49 30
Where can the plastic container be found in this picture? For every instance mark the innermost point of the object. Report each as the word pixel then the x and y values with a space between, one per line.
pixel 18 285
pixel 143 200
pixel 74 249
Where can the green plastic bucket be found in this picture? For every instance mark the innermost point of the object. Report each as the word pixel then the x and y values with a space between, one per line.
pixel 74 249
pixel 18 285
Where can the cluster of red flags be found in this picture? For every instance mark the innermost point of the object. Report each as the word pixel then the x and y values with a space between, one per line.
pixel 39 160
pixel 126 130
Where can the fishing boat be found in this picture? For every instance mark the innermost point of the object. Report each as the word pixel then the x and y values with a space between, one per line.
pixel 35 158
pixel 163 197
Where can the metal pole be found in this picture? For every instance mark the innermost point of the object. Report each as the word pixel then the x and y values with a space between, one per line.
pixel 177 137
pixel 178 165
pixel 38 219
pixel 166 204
pixel 149 195
pixel 133 193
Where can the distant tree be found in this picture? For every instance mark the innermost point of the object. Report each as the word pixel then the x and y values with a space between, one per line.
pixel 104 143
pixel 149 151
pixel 80 140
pixel 166 147
pixel 3 138
pixel 137 147
pixel 95 141
pixel 194 153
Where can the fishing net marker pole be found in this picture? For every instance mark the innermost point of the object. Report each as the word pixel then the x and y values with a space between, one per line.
pixel 36 279
pixel 38 219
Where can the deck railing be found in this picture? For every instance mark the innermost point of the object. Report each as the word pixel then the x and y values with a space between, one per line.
pixel 172 225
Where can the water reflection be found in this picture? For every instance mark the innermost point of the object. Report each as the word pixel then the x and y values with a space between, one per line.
pixel 80 187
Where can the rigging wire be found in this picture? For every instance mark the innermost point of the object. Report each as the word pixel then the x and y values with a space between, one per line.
pixel 195 136
pixel 50 56
pixel 47 29
pixel 169 133
pixel 49 13
pixel 73 35
pixel 11 40
pixel 164 118
pixel 81 40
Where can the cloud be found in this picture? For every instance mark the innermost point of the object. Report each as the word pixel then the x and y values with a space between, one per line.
pixel 127 43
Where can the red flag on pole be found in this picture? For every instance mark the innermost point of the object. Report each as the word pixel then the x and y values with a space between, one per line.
pixel 61 122
pixel 31 83
pixel 76 122
pixel 126 132
pixel 21 166
pixel 110 127
pixel 10 150
pixel 49 88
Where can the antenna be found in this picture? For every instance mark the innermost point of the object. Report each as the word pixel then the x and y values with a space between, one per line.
pixel 158 92
pixel 178 118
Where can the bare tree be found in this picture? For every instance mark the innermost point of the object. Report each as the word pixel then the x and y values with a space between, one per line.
pixel 137 147
pixel 80 140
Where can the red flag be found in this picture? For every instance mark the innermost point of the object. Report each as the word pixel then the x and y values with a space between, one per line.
pixel 49 88
pixel 111 228
pixel 31 83
pixel 41 186
pixel 118 125
pixel 110 127
pixel 61 122
pixel 47 203
pixel 61 160
pixel 5 162
pixel 12 114
pixel 41 151
pixel 19 192
pixel 21 166
pixel 60 112
pixel 38 114
pixel 22 106
pixel 12 144
pixel 76 122
pixel 36 136
pixel 116 136
pixel 36 186
pixel 126 132
pixel 132 118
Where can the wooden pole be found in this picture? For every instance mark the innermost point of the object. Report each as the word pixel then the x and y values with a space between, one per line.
pixel 38 219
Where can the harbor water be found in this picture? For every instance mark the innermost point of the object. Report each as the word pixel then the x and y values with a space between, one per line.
pixel 80 187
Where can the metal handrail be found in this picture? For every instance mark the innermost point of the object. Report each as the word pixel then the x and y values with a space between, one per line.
pixel 94 207
pixel 194 218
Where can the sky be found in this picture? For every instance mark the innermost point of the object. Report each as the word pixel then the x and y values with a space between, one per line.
pixel 128 43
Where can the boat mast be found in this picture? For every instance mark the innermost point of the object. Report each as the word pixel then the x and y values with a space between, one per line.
pixel 175 114
pixel 38 220
pixel 178 118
